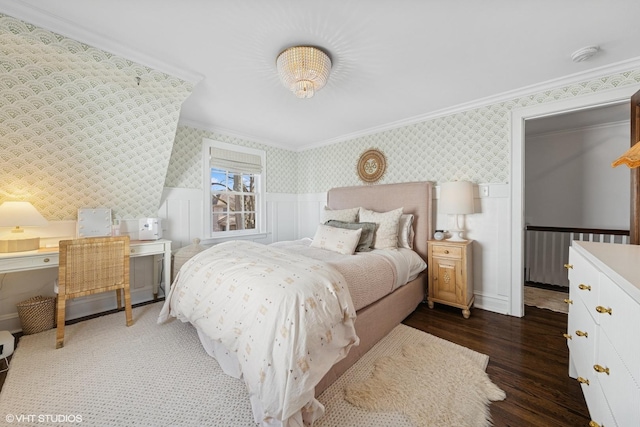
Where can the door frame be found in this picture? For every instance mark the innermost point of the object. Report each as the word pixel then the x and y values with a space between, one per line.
pixel 518 118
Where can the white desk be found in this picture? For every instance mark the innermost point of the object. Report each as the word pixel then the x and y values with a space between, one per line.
pixel 49 257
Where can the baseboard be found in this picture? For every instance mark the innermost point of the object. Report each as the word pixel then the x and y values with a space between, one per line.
pixel 83 307
pixel 491 303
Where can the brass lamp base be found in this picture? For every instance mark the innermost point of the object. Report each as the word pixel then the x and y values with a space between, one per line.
pixel 19 245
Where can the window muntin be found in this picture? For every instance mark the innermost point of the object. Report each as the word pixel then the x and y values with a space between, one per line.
pixel 234 190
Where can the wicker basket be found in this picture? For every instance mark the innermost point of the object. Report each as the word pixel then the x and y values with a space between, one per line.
pixel 37 314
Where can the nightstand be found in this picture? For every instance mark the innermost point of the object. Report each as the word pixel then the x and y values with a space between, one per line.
pixel 450 274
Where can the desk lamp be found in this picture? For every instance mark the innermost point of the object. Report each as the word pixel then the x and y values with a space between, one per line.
pixel 18 215
pixel 456 198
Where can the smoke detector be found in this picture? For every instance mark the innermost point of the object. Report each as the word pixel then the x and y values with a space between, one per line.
pixel 584 53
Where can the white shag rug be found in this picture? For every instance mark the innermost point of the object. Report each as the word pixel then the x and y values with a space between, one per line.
pixel 147 374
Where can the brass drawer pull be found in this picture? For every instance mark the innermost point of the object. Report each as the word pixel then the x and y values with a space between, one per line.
pixel 584 287
pixel 46 260
pixel 594 424
pixel 567 336
pixel 582 334
pixel 602 310
pixel 600 369
pixel 568 301
pixel 583 380
pixel 446 251
pixel 568 266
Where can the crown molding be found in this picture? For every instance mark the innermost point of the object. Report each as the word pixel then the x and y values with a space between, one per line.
pixel 35 16
pixel 594 73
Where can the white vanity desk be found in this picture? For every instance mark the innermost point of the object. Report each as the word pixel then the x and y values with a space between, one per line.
pixel 49 257
pixel 603 331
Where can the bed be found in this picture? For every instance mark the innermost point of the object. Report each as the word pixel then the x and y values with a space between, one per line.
pixel 336 335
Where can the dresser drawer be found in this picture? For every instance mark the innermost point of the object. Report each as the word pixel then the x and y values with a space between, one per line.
pixel 621 324
pixel 582 331
pixel 622 392
pixel 583 280
pixel 446 251
pixel 597 404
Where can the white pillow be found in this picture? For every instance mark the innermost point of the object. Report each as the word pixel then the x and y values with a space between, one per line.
pixel 386 236
pixel 345 215
pixel 336 239
pixel 405 231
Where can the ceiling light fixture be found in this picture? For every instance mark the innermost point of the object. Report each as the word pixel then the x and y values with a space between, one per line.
pixel 584 53
pixel 304 70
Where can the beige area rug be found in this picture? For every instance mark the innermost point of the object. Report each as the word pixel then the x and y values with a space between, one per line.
pixel 159 375
pixel 545 298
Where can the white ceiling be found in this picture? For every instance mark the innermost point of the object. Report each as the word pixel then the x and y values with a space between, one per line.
pixel 394 61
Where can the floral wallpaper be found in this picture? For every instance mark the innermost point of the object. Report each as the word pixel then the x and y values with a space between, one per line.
pixel 80 127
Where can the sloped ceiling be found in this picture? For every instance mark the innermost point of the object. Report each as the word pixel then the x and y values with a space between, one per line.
pixel 81 128
pixel 394 62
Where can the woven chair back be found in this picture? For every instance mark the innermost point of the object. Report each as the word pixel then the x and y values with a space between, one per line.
pixel 92 265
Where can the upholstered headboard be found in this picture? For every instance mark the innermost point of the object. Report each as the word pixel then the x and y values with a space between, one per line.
pixel 414 197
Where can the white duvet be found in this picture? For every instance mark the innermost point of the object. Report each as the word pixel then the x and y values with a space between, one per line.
pixel 287 318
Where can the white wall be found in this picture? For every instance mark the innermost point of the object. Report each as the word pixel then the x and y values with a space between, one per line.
pixel 569 185
pixel 293 216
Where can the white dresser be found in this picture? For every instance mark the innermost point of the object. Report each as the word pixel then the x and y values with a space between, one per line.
pixel 604 330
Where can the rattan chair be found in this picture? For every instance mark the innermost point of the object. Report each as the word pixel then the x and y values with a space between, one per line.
pixel 89 266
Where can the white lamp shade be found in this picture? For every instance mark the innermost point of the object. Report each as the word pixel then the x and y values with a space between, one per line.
pixel 20 214
pixel 456 198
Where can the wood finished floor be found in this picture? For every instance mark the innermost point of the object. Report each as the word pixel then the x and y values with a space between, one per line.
pixel 528 359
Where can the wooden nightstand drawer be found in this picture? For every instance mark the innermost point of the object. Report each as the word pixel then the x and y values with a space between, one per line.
pixel 447 251
pixel 450 275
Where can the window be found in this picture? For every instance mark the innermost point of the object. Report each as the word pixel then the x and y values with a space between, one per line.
pixel 234 189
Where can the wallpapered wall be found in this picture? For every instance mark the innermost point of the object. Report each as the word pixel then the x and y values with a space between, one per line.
pixel 471 145
pixel 185 169
pixel 76 129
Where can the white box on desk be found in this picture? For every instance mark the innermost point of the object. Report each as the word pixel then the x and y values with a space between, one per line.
pixel 150 229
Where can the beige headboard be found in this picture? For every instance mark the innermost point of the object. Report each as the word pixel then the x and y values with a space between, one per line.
pixel 414 197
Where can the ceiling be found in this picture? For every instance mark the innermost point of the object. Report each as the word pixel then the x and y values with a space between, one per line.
pixel 394 62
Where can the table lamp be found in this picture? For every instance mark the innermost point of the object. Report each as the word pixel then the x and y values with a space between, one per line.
pixel 456 198
pixel 18 215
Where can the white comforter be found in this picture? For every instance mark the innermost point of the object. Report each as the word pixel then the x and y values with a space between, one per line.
pixel 288 319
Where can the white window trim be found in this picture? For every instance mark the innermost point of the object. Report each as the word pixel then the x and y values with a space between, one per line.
pixel 261 203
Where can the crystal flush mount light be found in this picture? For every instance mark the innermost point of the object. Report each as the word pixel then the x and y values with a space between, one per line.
pixel 303 69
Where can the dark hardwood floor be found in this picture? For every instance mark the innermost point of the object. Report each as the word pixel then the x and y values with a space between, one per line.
pixel 528 359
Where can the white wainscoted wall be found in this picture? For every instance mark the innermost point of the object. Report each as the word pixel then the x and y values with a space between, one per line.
pixel 293 216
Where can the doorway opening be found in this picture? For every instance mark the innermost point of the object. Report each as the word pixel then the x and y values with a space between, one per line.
pixel 519 116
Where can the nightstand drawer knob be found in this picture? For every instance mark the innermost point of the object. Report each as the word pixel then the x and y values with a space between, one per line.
pixel 584 287
pixel 446 251
pixel 594 424
pixel 567 336
pixel 601 369
pixel 568 266
pixel 583 380
pixel 568 301
pixel 46 260
pixel 582 334
pixel 602 310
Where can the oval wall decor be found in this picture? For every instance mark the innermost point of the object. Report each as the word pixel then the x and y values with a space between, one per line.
pixel 372 165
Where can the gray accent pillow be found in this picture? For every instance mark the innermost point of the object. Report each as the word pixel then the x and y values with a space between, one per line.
pixel 366 238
